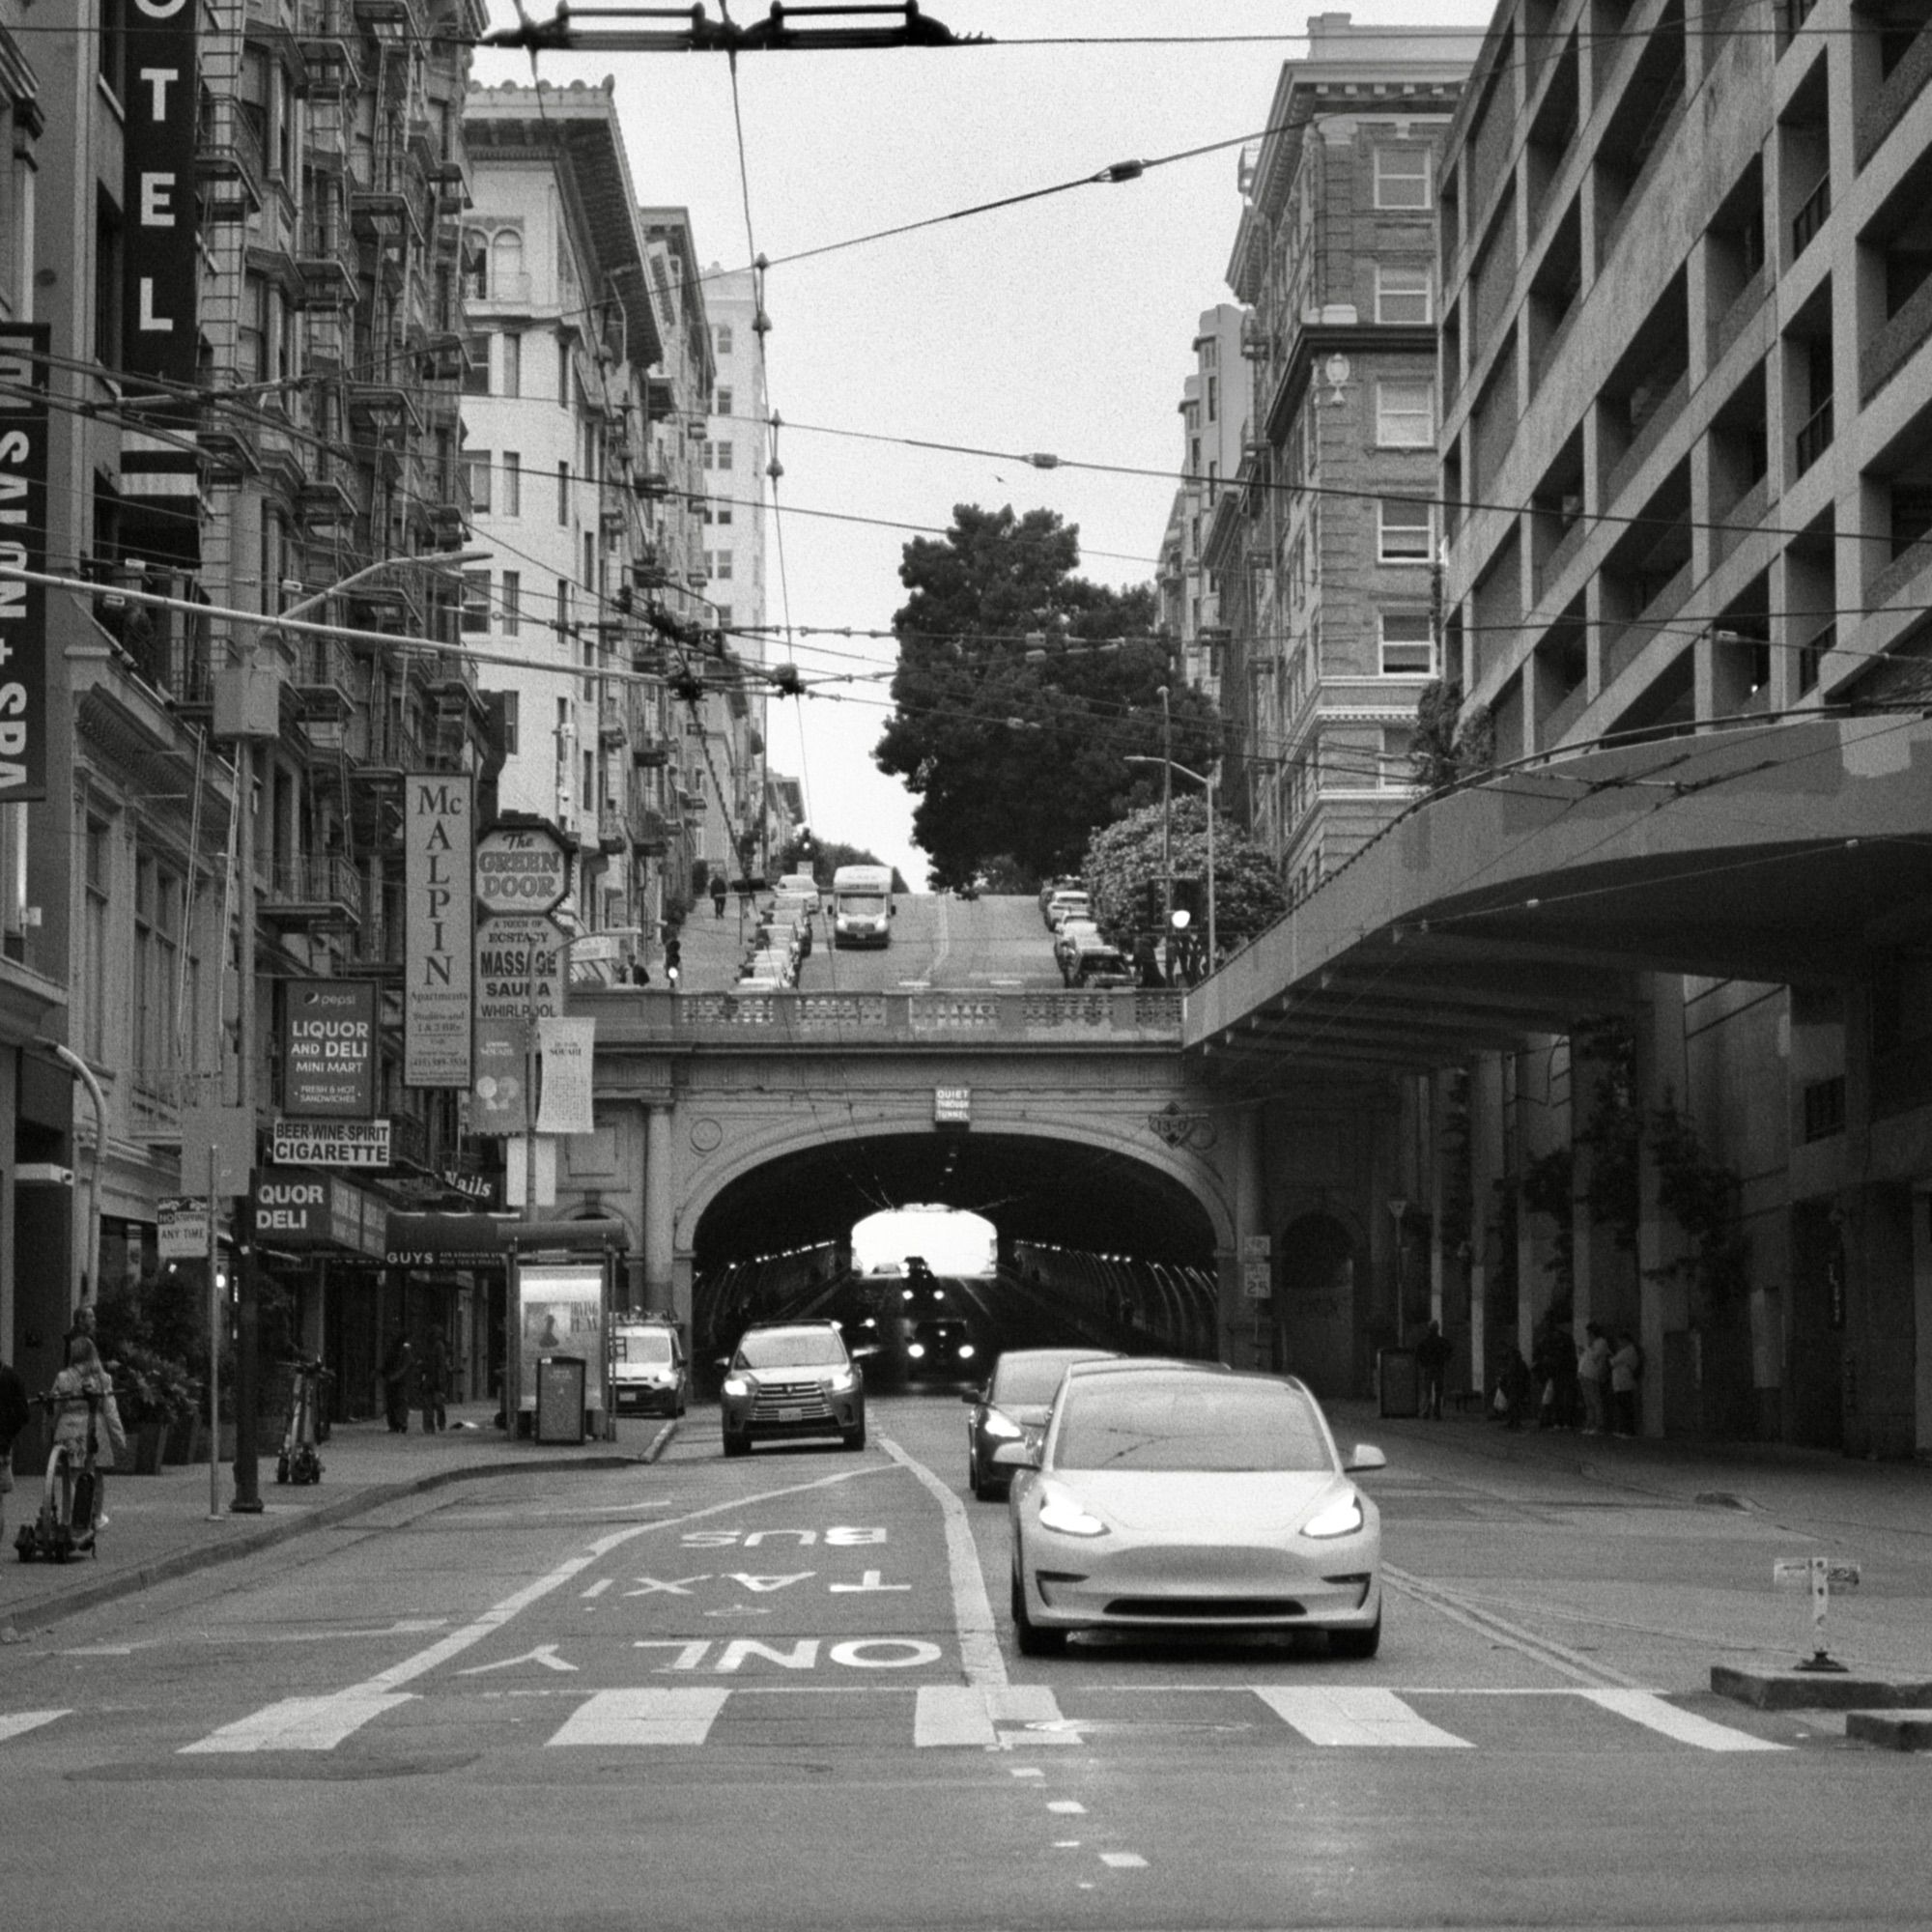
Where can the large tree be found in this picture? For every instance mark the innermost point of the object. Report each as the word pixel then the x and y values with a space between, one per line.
pixel 1020 691
pixel 1122 875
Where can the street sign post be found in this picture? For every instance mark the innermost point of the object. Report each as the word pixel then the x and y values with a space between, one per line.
pixel 1816 1574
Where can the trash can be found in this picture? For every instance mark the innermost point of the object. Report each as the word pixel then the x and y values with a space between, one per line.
pixel 560 1398
pixel 1399 1381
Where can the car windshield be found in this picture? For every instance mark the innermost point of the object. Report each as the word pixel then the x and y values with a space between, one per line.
pixel 1191 1423
pixel 863 903
pixel 792 1348
pixel 1031 1378
pixel 644 1344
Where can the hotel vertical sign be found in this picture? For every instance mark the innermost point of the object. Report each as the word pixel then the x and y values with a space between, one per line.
pixel 162 261
pixel 23 546
pixel 439 831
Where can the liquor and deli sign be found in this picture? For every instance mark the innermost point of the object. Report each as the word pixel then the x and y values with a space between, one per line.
pixel 438 834
pixel 23 546
pixel 328 1049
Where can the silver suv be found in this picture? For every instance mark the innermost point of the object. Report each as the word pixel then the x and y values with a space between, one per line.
pixel 790 1378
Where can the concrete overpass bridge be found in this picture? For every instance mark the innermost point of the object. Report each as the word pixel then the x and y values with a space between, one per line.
pixel 728 1125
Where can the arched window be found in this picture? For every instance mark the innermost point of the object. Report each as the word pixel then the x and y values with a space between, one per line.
pixel 506 265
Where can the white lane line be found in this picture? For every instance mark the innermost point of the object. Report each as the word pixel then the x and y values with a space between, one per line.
pixel 17 1723
pixel 1122 1861
pixel 1355 1717
pixel 1068 1808
pixel 654 1717
pixel 1654 1712
pixel 298 1724
pixel 972 1612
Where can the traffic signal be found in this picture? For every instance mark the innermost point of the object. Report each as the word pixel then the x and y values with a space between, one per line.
pixel 1190 896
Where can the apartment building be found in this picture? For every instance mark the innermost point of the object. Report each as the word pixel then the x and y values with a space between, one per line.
pixel 249 283
pixel 737 454
pixel 1213 411
pixel 1322 552
pixel 1688 463
pixel 565 327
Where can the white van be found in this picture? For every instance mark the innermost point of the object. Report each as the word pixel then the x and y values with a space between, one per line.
pixel 861 905
pixel 649 1371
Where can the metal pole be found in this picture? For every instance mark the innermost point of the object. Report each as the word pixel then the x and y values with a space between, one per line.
pixel 1166 825
pixel 247 1496
pixel 214 1325
pixel 1212 953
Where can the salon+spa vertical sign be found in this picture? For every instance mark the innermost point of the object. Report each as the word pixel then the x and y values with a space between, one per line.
pixel 23 546
pixel 439 920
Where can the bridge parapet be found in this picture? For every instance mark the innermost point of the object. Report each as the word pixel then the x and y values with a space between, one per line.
pixel 952 1019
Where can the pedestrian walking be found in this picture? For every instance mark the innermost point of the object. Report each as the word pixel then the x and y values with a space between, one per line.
pixel 397 1362
pixel 1514 1386
pixel 1593 1374
pixel 718 896
pixel 1625 1370
pixel 432 1383
pixel 74 1421
pixel 1431 1356
pixel 15 1413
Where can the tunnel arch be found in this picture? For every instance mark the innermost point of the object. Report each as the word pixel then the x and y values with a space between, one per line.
pixel 1169 1204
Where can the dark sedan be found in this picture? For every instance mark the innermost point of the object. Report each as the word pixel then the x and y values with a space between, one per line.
pixel 1017 1399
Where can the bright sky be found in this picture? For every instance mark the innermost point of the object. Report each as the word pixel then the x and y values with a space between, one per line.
pixel 1064 324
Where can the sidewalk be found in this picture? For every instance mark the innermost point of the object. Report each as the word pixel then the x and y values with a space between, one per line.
pixel 1773 1477
pixel 159 1526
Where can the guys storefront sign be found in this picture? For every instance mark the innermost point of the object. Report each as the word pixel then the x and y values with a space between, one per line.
pixel 23 546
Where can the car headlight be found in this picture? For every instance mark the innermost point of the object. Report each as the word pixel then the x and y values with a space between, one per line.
pixel 1338 1519
pixel 915 1350
pixel 1062 1512
pixel 1002 1426
pixel 842 1382
pixel 739 1385
pixel 965 1351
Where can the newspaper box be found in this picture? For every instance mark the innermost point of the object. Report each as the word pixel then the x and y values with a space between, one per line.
pixel 1399 1381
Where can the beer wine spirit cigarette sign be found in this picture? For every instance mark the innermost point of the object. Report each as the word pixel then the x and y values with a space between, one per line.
pixel 439 831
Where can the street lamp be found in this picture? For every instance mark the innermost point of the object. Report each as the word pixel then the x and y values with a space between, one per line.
pixel 1207 781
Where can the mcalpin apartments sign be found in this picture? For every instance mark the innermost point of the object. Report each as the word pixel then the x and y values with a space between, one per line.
pixel 438 832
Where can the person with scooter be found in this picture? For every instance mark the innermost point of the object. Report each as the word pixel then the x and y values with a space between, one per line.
pixel 84 1410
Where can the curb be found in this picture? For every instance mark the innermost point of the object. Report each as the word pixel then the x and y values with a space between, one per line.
pixel 28 1618
pixel 1897 1730
pixel 1804 1691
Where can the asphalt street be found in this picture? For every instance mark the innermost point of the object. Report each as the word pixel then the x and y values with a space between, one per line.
pixel 783 1691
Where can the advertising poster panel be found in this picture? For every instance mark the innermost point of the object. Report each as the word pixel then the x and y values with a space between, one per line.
pixel 561 1312
pixel 329 1050
pixel 438 831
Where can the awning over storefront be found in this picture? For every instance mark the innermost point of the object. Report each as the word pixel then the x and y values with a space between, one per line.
pixel 485 1240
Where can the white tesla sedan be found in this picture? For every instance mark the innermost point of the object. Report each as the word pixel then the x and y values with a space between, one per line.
pixel 1170 1497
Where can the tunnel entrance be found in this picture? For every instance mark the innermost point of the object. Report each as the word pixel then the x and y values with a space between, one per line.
pixel 775 1242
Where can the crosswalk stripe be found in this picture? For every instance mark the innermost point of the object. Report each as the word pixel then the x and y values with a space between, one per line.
pixel 1355 1717
pixel 14 1724
pixel 683 1716
pixel 299 1723
pixel 971 1714
pixel 1657 1714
